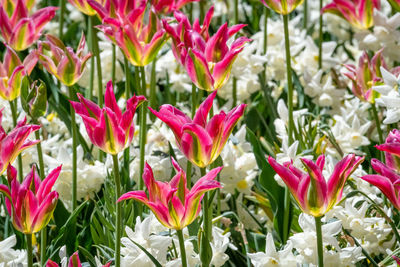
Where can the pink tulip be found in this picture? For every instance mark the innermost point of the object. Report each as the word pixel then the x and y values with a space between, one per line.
pixel 124 24
pixel 208 60
pixel 366 75
pixel 84 6
pixel 74 261
pixel 32 203
pixel 388 179
pixel 13 71
pixel 12 144
pixel 168 6
pixel 200 141
pixel 63 63
pixel 359 13
pixel 283 7
pixel 10 5
pixel 314 195
pixel 108 128
pixel 172 203
pixel 21 30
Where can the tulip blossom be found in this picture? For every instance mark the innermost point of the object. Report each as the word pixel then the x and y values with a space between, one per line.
pixel 283 7
pixel 174 205
pixel 359 13
pixel 124 24
pixel 108 128
pixel 313 193
pixel 10 5
pixel 200 141
pixel 62 62
pixel 208 60
pixel 32 203
pixel 388 178
pixel 168 6
pixel 74 261
pixel 12 72
pixel 366 75
pixel 21 30
pixel 84 6
pixel 13 143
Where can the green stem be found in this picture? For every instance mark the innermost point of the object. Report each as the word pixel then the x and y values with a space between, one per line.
pixel 118 221
pixel 61 23
pixel 378 125
pixel 91 82
pixel 320 38
pixel 319 241
pixel 143 130
pixel 206 210
pixel 193 112
pixel 29 249
pixel 265 43
pixel 113 63
pixel 305 18
pixel 96 52
pixel 43 232
pixel 127 95
pixel 182 247
pixel 286 223
pixel 13 106
pixel 153 97
pixel 74 152
pixel 202 10
pixel 234 80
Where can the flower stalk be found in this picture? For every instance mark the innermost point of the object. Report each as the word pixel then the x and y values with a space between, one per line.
pixel 287 203
pixel 143 130
pixel 118 220
pixel 13 106
pixel 319 241
pixel 61 19
pixel 320 38
pixel 74 151
pixel 29 248
pixel 182 247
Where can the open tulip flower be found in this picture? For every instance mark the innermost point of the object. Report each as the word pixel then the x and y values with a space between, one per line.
pixel 13 143
pixel 359 13
pixel 74 261
pixel 12 72
pixel 283 7
pixel 168 6
pixel 388 179
pixel 21 30
pixel 84 6
pixel 200 141
pixel 208 60
pixel 108 128
pixel 10 5
pixel 174 205
pixel 313 193
pixel 31 203
pixel 62 62
pixel 125 25
pixel 366 75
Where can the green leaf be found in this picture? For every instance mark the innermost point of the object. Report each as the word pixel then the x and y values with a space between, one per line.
pixel 275 193
pixel 151 257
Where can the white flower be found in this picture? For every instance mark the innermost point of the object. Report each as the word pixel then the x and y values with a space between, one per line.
pixel 306 243
pixel 146 234
pixel 10 257
pixel 390 97
pixel 271 257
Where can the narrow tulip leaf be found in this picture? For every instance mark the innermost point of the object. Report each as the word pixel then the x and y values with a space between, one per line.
pixel 275 193
pixel 88 255
pixel 151 257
